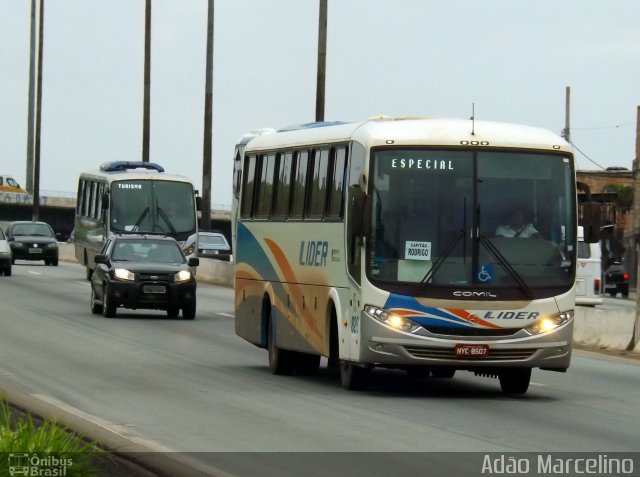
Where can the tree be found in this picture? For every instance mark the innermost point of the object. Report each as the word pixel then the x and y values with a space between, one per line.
pixel 623 196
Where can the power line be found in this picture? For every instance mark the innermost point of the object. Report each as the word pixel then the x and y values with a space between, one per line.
pixel 587 157
pixel 617 126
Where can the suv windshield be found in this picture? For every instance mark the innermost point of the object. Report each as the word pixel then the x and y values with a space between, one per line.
pixel 467 219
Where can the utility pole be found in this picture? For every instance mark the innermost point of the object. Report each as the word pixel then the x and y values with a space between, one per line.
pixel 566 132
pixel 32 72
pixel 205 220
pixel 36 177
pixel 322 60
pixel 147 82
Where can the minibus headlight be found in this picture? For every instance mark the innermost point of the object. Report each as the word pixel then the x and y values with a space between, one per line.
pixel 391 319
pixel 182 276
pixel 123 274
pixel 189 250
pixel 549 323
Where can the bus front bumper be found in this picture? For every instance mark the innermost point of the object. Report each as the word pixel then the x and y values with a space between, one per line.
pixel 383 346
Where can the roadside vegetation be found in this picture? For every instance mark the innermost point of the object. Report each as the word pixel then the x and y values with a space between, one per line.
pixel 42 448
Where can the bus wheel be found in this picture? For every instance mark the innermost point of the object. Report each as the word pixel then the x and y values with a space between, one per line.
pixel 108 306
pixel 443 372
pixel 307 364
pixel 281 361
pixel 353 377
pixel 515 380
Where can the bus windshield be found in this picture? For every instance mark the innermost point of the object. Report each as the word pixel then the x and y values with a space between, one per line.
pixel 472 219
pixel 153 206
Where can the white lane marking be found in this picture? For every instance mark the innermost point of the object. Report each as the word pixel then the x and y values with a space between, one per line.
pixel 228 315
pixel 539 384
pixel 34 273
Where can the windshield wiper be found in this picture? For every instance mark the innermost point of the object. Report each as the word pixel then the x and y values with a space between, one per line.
pixel 164 216
pixel 142 216
pixel 522 284
pixel 457 235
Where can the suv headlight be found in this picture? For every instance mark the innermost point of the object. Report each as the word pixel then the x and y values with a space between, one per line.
pixel 391 319
pixel 52 245
pixel 189 250
pixel 550 323
pixel 124 274
pixel 182 276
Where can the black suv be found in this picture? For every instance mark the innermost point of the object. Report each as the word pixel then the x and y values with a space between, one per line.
pixel 616 280
pixel 146 272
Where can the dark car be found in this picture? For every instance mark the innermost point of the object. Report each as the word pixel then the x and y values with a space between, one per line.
pixel 213 245
pixel 143 272
pixel 616 280
pixel 33 241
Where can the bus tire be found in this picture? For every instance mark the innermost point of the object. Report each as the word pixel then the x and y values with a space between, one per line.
pixel 333 360
pixel 7 271
pixel 281 361
pixel 514 380
pixel 353 377
pixel 307 364
pixel 108 306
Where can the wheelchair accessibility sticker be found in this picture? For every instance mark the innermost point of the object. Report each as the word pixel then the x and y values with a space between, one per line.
pixel 485 273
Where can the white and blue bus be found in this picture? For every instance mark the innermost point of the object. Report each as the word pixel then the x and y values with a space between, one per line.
pixel 382 244
pixel 133 197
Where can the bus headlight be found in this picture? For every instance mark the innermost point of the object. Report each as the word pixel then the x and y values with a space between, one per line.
pixel 124 274
pixel 391 319
pixel 549 323
pixel 182 276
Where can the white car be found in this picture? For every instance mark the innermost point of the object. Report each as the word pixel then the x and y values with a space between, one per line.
pixel 5 255
pixel 213 245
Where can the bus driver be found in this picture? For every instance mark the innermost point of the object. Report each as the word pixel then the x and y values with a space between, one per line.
pixel 516 227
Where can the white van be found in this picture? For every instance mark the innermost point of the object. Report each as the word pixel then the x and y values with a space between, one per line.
pixel 588 272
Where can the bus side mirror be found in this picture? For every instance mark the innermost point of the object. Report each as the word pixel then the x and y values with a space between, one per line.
pixel 100 259
pixel 590 215
pixel 199 203
pixel 194 262
pixel 361 223
pixel 591 222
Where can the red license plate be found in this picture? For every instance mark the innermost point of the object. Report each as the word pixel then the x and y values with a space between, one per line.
pixel 471 350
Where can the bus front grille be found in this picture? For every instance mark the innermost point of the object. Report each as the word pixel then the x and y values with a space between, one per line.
pixel 449 353
pixel 450 331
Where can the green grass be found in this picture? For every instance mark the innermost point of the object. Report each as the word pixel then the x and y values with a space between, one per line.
pixel 51 447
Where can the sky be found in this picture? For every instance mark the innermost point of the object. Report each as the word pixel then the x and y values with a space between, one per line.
pixel 511 60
